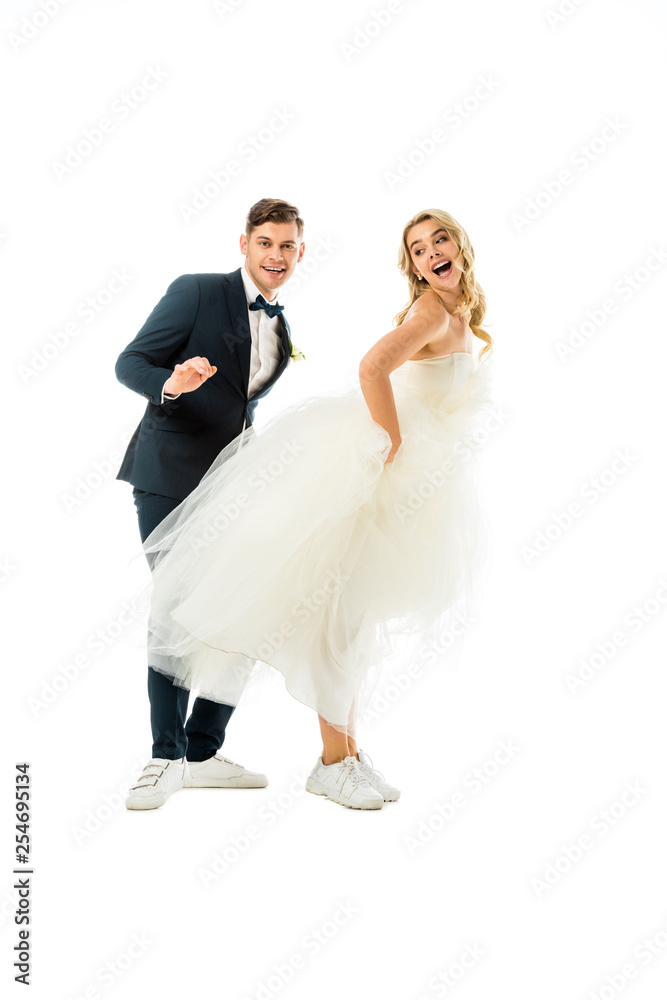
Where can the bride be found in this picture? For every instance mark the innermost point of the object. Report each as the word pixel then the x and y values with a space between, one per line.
pixel 352 519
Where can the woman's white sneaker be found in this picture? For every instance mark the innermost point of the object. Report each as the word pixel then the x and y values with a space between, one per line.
pixel 345 783
pixel 158 780
pixel 376 778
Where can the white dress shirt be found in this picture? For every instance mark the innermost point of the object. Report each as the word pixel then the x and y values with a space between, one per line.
pixel 266 340
pixel 265 349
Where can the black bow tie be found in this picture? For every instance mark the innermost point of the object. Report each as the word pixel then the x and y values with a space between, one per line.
pixel 261 303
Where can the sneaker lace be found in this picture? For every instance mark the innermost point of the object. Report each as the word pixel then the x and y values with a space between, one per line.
pixel 349 769
pixel 367 766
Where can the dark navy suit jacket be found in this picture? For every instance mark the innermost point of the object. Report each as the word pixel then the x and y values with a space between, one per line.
pixel 173 447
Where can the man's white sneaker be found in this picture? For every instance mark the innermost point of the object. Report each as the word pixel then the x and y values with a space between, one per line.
pixel 220 772
pixel 376 778
pixel 344 783
pixel 158 780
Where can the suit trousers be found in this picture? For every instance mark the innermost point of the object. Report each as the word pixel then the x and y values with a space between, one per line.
pixel 176 735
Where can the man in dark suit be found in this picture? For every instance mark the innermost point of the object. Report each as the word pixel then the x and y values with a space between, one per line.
pixel 211 348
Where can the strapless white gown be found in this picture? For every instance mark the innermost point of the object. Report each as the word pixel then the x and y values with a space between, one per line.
pixel 301 548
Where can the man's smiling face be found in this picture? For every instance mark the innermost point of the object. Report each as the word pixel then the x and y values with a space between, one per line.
pixel 272 251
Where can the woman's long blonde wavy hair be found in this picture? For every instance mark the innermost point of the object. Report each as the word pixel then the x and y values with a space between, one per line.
pixel 472 295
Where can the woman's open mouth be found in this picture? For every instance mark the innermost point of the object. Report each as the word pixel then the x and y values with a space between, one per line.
pixel 443 268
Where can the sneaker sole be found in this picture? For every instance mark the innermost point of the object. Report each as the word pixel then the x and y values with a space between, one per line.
pixel 143 806
pixel 316 788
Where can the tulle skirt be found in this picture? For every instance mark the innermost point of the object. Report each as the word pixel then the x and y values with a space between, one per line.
pixel 302 549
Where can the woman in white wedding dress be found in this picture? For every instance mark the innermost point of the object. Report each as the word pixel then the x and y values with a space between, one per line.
pixel 352 519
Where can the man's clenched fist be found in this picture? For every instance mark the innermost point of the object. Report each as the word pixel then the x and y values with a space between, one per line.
pixel 189 376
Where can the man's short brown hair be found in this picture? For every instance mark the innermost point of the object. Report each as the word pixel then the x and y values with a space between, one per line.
pixel 272 210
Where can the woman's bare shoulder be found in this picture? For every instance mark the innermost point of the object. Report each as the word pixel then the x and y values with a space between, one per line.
pixel 429 307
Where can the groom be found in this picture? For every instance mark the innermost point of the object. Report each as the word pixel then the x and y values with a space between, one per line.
pixel 213 345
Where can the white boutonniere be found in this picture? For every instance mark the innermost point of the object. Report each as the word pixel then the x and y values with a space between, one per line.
pixel 295 353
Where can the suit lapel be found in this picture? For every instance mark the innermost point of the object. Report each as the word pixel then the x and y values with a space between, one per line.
pixel 238 338
pixel 285 330
pixel 239 335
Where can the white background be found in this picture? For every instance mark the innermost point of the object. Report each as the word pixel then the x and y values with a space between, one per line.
pixel 360 97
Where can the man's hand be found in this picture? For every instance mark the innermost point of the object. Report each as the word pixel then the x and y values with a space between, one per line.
pixel 189 376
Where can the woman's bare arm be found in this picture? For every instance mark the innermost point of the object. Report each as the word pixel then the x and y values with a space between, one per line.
pixel 427 320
